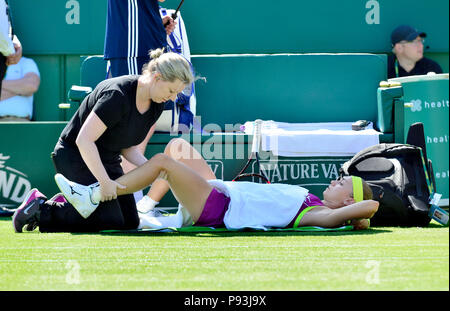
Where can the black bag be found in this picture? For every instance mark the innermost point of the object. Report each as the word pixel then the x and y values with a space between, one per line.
pixel 398 176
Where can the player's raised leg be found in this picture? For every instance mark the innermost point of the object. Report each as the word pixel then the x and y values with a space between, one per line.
pixel 189 188
pixel 182 151
pixel 187 181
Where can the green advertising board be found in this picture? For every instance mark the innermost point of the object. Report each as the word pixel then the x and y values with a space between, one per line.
pixel 25 162
pixel 428 98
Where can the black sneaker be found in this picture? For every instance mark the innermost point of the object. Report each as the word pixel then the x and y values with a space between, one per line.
pixel 28 213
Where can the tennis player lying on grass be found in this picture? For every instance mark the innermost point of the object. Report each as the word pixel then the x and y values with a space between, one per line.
pixel 234 205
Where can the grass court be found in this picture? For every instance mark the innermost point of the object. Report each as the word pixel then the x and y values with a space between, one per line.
pixel 378 259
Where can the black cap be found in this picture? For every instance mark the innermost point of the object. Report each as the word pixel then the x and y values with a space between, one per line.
pixel 405 32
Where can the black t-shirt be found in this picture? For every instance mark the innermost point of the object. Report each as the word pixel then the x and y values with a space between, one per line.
pixel 114 102
pixel 422 67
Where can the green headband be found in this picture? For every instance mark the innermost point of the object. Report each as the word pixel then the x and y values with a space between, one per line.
pixel 357 188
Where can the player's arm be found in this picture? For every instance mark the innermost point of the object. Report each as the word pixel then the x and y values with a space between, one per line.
pixel 361 210
pixel 91 130
pixel 330 218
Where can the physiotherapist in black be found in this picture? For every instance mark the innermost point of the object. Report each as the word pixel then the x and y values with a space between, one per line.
pixel 110 122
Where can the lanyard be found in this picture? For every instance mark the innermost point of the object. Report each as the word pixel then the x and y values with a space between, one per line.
pixel 396 68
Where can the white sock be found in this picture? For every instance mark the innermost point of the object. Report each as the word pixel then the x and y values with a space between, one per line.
pixel 151 202
pixel 138 195
pixel 146 204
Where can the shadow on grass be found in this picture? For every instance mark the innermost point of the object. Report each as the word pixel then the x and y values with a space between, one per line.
pixel 435 225
pixel 224 234
pixel 244 233
pixel 249 233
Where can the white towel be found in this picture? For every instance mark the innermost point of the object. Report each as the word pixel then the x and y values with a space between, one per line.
pixel 313 139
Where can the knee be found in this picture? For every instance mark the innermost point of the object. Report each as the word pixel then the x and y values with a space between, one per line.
pixel 176 141
pixel 179 149
pixel 159 159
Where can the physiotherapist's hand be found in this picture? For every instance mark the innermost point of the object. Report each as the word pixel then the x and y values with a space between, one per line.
pixel 108 190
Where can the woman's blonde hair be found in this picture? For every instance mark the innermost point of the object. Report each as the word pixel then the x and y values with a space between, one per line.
pixel 170 65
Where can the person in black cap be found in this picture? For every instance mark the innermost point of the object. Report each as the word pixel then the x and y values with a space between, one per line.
pixel 407 58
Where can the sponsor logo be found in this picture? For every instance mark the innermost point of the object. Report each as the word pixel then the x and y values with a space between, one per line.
pixel 27 209
pixel 442 175
pixel 316 172
pixel 14 184
pixel 436 105
pixel 73 191
pixel 437 139
pixel 418 105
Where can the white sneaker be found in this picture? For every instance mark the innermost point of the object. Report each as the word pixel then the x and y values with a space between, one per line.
pixel 146 205
pixel 151 222
pixel 78 195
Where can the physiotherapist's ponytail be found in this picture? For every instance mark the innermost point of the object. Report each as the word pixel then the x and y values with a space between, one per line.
pixel 170 66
